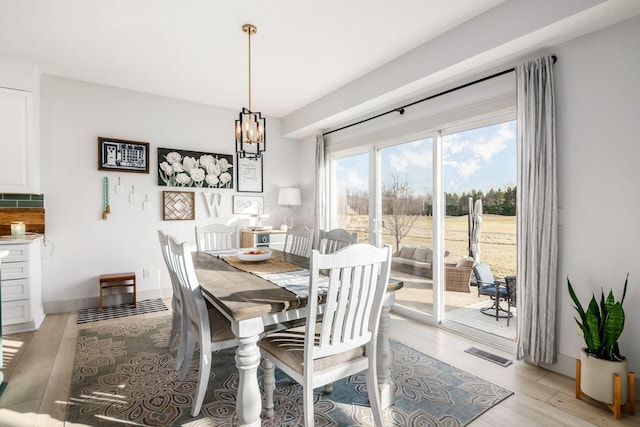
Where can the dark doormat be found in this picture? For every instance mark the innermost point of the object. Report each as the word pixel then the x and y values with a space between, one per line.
pixel 498 360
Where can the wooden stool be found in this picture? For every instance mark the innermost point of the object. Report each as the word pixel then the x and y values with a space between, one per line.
pixel 119 280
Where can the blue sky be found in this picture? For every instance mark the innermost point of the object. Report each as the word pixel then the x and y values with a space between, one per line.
pixel 479 159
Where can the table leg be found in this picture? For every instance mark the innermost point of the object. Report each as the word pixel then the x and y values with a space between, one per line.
pixel 384 353
pixel 248 400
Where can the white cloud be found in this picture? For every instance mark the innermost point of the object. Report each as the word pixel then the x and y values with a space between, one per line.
pixel 423 159
pixel 454 144
pixel 399 163
pixel 353 180
pixel 465 168
pixel 487 150
pixel 410 155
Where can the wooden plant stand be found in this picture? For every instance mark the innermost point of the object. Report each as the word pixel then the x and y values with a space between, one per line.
pixel 616 406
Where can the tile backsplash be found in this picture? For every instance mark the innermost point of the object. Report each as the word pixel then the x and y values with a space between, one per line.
pixel 21 200
pixel 28 208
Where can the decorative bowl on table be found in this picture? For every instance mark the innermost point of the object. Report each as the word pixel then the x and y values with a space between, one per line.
pixel 254 254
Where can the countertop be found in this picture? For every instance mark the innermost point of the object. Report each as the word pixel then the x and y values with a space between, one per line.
pixel 14 240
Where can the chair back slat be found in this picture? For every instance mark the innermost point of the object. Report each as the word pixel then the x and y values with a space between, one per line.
pixel 335 239
pixel 215 237
pixel 298 241
pixel 358 278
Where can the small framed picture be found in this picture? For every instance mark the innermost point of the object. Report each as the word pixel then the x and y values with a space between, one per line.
pixel 178 205
pixel 251 205
pixel 122 156
pixel 249 173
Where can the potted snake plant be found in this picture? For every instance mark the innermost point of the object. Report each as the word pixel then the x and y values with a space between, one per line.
pixel 601 325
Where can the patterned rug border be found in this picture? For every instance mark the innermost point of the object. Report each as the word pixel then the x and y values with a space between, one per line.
pixel 93 314
pixel 130 363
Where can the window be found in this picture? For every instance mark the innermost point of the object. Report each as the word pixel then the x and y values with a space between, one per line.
pixel 385 192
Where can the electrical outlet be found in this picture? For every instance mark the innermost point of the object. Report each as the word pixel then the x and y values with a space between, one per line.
pixel 579 331
pixel 146 273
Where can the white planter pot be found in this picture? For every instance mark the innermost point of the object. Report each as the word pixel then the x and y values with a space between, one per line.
pixel 596 378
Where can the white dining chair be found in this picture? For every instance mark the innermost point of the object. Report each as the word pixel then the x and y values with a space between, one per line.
pixel 177 315
pixel 205 325
pixel 215 237
pixel 345 342
pixel 335 239
pixel 299 241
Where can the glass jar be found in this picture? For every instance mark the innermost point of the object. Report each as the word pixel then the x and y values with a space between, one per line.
pixel 17 228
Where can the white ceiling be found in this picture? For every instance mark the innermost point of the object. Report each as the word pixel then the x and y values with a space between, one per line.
pixel 196 50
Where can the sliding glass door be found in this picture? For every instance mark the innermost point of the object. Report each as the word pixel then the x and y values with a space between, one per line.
pixel 349 190
pixel 479 182
pixel 406 212
pixel 387 194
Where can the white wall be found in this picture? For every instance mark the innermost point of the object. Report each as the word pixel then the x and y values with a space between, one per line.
pixel 73 115
pixel 598 101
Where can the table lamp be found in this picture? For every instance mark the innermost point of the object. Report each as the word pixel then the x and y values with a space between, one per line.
pixel 289 197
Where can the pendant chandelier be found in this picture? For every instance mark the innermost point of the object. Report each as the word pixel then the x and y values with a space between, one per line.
pixel 250 126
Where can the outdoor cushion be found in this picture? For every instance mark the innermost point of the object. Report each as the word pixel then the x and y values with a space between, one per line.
pixel 462 261
pixel 429 255
pixel 420 254
pixel 407 252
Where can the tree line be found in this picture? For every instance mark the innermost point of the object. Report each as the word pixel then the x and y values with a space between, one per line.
pixel 398 198
pixel 401 208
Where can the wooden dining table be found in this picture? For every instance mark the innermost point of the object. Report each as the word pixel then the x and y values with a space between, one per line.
pixel 254 304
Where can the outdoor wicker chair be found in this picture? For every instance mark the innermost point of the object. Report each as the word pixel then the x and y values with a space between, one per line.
pixel 457 276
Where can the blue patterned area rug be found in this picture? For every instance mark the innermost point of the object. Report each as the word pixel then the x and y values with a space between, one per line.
pixel 94 314
pixel 124 375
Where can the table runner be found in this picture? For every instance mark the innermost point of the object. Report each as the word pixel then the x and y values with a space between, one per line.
pixel 296 282
pixel 261 267
pixel 281 273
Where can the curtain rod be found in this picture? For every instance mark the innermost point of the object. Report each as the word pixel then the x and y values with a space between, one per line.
pixel 401 108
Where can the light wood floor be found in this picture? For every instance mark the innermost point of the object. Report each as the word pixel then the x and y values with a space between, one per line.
pixel 38 368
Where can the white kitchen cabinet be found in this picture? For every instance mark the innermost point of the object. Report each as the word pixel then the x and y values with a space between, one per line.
pixel 21 285
pixel 19 150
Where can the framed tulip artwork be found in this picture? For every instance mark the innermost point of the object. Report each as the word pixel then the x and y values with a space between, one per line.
pixel 195 169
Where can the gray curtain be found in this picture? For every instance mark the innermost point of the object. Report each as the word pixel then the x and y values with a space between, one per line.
pixel 537 211
pixel 320 190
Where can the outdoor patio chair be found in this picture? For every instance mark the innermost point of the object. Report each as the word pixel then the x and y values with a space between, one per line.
pixel 512 300
pixel 457 276
pixel 496 289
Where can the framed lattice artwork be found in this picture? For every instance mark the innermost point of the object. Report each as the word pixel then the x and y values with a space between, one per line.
pixel 178 205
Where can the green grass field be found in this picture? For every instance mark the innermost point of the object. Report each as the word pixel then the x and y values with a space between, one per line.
pixel 497 240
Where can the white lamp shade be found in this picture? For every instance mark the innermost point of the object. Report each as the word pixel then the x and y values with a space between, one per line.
pixel 289 197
